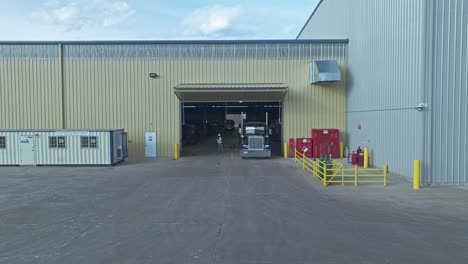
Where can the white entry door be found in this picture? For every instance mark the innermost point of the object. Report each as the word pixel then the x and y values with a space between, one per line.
pixel 150 144
pixel 28 150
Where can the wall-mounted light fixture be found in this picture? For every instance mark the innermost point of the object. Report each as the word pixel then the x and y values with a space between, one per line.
pixel 153 75
pixel 421 106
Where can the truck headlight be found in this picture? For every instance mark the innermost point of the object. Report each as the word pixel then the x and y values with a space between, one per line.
pixel 267 146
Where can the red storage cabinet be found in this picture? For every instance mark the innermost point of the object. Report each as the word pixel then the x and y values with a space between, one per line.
pixel 326 142
pixel 304 145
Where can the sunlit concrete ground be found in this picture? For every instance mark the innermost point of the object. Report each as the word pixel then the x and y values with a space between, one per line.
pixel 222 209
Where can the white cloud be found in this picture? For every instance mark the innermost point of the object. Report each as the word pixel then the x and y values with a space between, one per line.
pixel 68 16
pixel 211 21
pixel 288 29
pixel 118 13
pixel 52 2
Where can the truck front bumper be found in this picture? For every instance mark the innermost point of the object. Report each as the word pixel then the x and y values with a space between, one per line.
pixel 246 153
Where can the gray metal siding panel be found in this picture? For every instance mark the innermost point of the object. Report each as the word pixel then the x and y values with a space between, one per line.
pixel 28 51
pixel 196 51
pixel 450 96
pixel 384 78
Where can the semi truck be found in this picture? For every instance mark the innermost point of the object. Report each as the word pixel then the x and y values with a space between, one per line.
pixel 254 139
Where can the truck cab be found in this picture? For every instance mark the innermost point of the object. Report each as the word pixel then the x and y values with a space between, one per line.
pixel 254 139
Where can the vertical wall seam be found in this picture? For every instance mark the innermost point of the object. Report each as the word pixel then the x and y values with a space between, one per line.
pixel 62 88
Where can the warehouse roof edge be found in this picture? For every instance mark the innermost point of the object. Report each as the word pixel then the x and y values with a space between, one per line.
pixel 113 42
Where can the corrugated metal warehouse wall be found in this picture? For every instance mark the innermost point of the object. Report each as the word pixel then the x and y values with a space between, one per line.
pixel 30 91
pixel 402 53
pixel 385 57
pixel 450 93
pixel 107 86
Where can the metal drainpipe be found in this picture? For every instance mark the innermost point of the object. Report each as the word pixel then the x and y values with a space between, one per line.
pixel 427 89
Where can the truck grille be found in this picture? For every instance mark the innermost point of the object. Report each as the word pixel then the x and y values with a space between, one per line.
pixel 256 142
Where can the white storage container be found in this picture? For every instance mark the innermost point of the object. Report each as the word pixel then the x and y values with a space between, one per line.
pixel 62 147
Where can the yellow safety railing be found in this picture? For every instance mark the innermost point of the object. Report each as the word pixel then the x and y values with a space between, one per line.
pixel 335 172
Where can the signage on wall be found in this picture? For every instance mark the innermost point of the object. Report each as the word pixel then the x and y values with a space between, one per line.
pixel 359 126
pixel 150 138
pixel 25 140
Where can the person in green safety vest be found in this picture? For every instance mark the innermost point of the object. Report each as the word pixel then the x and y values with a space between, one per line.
pixel 219 139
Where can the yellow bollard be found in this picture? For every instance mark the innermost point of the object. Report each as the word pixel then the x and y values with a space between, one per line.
pixel 366 158
pixel 176 151
pixel 341 150
pixel 285 150
pixel 385 170
pixel 416 174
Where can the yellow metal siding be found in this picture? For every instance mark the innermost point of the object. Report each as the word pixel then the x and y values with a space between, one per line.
pixel 118 93
pixel 108 87
pixel 30 95
pixel 72 154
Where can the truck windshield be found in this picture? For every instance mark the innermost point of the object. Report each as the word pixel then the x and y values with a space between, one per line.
pixel 254 130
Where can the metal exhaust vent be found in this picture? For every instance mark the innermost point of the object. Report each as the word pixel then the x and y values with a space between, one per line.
pixel 324 71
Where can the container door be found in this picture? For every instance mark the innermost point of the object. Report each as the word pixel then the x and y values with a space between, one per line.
pixel 27 150
pixel 120 147
pixel 150 144
pixel 124 145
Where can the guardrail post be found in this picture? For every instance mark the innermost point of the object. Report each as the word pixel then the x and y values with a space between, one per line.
pixel 303 161
pixel 355 175
pixel 366 158
pixel 324 174
pixel 285 150
pixel 342 174
pixel 315 169
pixel 176 151
pixel 416 174
pixel 385 169
pixel 295 155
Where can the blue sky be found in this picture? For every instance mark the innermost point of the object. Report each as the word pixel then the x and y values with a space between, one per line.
pixel 145 19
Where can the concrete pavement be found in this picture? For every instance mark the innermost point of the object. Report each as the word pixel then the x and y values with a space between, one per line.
pixel 222 209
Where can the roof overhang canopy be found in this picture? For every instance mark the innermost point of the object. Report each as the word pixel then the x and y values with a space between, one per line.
pixel 222 92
